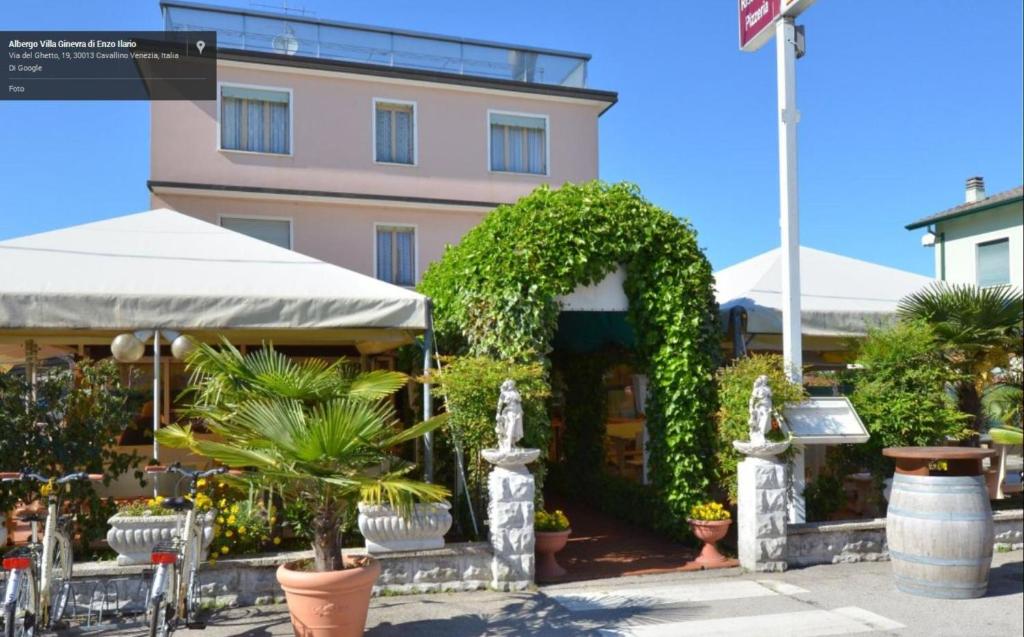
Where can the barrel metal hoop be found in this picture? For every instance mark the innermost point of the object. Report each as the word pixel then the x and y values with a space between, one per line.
pixel 937 561
pixel 952 481
pixel 946 516
pixel 937 489
pixel 945 590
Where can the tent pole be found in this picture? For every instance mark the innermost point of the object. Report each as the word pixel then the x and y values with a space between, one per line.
pixel 428 404
pixel 156 406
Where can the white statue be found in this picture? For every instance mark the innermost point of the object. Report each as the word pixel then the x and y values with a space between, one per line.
pixel 759 423
pixel 508 423
pixel 760 409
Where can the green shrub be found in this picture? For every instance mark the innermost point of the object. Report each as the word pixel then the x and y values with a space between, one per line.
pixel 73 424
pixel 495 294
pixel 824 496
pixel 901 393
pixel 735 383
pixel 470 387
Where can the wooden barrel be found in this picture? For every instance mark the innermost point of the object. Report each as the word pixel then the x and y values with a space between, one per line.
pixel 940 535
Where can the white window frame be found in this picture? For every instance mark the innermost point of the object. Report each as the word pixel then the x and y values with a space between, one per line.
pixel 291 119
pixel 547 143
pixel 415 131
pixel 290 220
pixel 977 261
pixel 415 246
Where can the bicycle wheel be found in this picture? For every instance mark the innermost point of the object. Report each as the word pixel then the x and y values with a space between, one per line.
pixel 60 577
pixel 159 626
pixel 20 617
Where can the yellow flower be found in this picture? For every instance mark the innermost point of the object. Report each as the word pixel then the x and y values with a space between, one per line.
pixel 241 530
pixel 213 561
pixel 229 533
pixel 277 540
pixel 224 550
pixel 220 485
pixel 234 508
pixel 220 519
pixel 232 519
pixel 151 502
pixel 201 482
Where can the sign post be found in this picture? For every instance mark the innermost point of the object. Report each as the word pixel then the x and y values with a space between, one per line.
pixel 758 20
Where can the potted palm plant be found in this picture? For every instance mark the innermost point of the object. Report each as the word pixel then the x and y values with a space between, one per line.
pixel 318 433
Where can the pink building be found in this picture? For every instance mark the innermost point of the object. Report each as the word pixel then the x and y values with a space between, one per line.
pixel 366 147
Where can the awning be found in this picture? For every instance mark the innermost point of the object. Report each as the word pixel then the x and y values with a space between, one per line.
pixel 163 269
pixel 839 296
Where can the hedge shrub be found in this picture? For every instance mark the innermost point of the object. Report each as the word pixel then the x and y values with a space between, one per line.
pixel 495 295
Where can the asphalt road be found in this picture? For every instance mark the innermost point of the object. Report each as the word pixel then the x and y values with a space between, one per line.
pixel 842 599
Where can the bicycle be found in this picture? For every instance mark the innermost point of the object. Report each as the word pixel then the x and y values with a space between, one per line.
pixel 174 592
pixel 39 583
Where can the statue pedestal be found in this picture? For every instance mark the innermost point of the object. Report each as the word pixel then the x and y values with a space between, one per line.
pixel 510 511
pixel 762 514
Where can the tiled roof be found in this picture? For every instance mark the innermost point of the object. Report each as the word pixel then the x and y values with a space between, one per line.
pixel 968 208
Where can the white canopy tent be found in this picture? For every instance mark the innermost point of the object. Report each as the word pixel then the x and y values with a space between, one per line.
pixel 841 297
pixel 162 270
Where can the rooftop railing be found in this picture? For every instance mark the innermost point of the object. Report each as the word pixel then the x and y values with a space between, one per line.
pixel 247 30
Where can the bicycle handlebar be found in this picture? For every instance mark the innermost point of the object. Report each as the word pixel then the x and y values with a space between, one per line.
pixel 188 473
pixel 12 476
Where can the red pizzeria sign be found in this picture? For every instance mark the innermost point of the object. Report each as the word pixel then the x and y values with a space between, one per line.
pixel 757 19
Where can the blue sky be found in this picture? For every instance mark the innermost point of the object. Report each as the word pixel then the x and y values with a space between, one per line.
pixel 900 100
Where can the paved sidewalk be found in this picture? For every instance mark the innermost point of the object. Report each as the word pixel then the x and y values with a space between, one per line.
pixel 843 599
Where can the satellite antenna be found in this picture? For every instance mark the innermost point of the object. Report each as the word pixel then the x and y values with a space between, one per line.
pixel 286 43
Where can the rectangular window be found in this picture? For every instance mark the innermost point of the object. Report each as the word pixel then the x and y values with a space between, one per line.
pixel 276 231
pixel 994 263
pixel 519 143
pixel 396 255
pixel 395 131
pixel 255 120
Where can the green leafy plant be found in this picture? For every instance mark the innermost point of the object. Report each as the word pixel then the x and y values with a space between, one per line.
pixel 315 432
pixel 495 294
pixel 824 496
pixel 735 383
pixel 976 330
pixel 71 422
pixel 900 393
pixel 709 512
pixel 546 522
pixel 469 386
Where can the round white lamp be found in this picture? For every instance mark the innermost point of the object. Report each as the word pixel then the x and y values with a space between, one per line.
pixel 127 348
pixel 182 346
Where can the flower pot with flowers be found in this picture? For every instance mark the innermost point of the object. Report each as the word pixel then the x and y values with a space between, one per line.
pixel 551 531
pixel 319 434
pixel 139 525
pixel 709 522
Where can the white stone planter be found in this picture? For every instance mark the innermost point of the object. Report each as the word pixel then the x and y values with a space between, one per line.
pixel 386 531
pixel 133 537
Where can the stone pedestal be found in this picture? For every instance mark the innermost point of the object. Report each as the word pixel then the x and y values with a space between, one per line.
pixel 510 511
pixel 762 514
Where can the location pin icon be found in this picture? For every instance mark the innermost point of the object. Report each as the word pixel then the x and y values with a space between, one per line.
pixel 200 45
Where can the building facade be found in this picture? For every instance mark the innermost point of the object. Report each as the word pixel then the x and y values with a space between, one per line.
pixel 980 241
pixel 364 147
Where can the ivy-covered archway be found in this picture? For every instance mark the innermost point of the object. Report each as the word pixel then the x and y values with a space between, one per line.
pixel 495 294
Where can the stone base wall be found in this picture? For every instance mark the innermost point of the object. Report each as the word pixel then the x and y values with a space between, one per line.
pixel 103 588
pixel 864 541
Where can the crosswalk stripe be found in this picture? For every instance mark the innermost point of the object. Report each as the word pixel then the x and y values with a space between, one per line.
pixel 661 595
pixel 811 623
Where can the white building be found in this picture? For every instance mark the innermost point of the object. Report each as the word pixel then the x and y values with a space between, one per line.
pixel 980 241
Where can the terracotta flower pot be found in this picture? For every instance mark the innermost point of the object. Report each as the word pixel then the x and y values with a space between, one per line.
pixel 709 532
pixel 331 604
pixel 547 544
